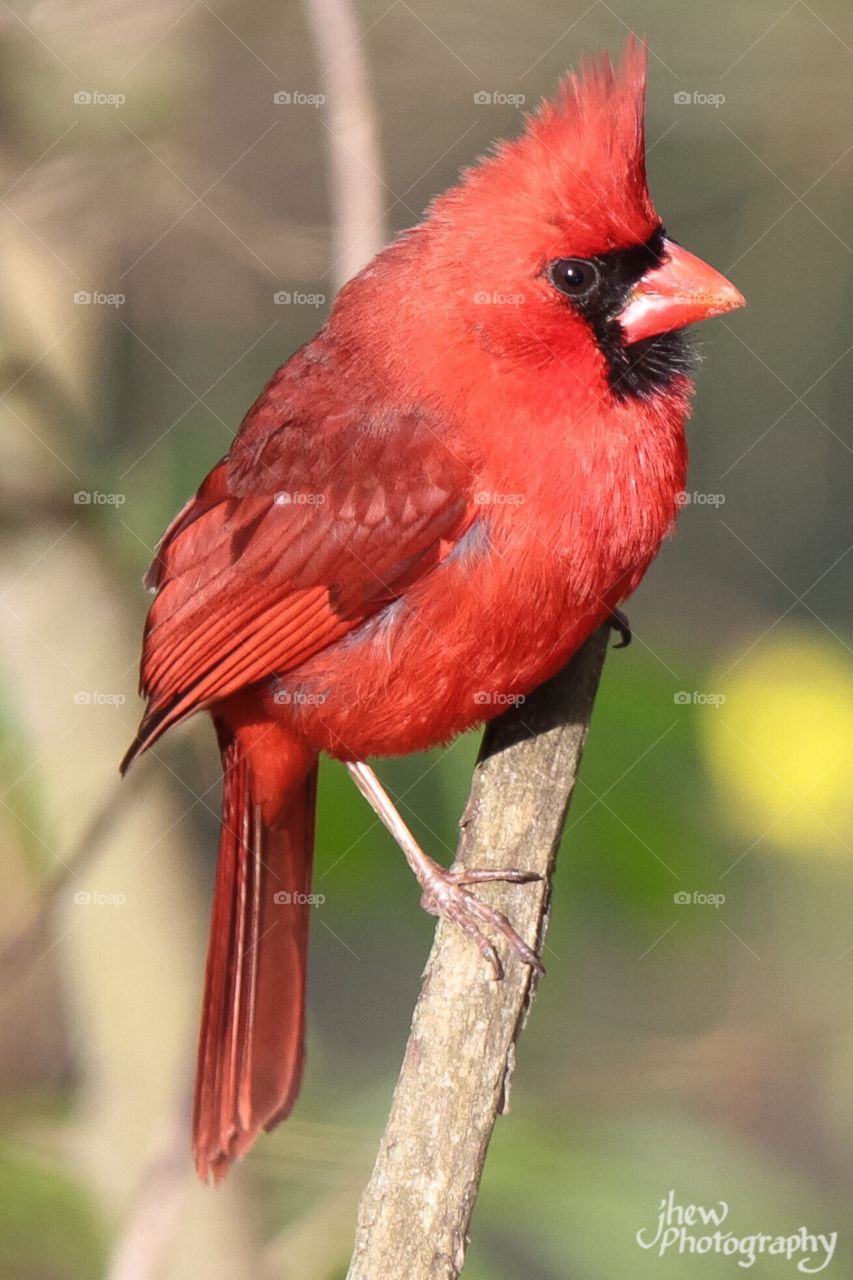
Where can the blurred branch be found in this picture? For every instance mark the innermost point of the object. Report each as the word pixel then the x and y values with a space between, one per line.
pixel 356 161
pixel 24 946
pixel 414 1214
pixel 149 1227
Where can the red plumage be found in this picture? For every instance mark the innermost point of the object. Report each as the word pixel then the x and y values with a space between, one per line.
pixel 440 496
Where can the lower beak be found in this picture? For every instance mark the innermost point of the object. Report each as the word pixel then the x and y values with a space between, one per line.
pixel 682 290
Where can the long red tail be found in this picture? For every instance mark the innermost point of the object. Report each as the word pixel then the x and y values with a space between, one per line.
pixel 251 1045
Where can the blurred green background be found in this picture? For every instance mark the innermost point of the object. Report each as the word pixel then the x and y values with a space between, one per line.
pixel 702 1048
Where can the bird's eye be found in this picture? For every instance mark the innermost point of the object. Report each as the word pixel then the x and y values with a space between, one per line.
pixel 575 277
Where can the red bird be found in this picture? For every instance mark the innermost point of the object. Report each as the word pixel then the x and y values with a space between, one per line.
pixel 438 498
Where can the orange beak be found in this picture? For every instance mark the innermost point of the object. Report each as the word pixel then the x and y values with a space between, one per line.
pixel 682 290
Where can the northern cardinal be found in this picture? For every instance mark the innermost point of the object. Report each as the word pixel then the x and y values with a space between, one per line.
pixel 429 508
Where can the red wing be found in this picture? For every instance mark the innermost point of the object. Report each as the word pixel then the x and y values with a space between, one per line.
pixel 291 542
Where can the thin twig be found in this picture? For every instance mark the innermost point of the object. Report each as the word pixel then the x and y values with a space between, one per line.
pixel 23 945
pixel 414 1214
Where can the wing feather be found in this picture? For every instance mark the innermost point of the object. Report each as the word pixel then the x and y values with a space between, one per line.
pixel 288 545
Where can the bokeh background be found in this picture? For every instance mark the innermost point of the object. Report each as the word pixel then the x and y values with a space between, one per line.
pixel 704 1047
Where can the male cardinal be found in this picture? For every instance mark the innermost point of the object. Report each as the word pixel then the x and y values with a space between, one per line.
pixel 429 508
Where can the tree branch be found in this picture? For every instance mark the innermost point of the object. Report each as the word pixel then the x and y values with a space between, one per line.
pixel 414 1214
pixel 24 944
pixel 353 136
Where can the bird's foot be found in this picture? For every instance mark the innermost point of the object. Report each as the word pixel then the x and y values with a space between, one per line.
pixel 618 621
pixel 445 893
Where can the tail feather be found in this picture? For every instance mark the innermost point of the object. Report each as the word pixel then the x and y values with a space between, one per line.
pixel 251 1045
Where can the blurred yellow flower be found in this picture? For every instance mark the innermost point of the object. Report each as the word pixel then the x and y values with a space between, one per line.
pixel 780 747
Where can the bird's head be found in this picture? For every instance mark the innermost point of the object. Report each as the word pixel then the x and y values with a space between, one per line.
pixel 550 249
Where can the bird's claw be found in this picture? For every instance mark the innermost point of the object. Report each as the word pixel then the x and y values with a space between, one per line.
pixel 618 621
pixel 445 894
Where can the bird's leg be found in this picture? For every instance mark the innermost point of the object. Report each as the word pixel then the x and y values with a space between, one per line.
pixel 445 892
pixel 618 621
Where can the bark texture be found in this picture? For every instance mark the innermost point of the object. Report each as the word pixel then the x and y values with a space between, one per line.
pixel 414 1214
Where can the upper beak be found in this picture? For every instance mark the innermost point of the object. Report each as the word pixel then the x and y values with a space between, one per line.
pixel 682 290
